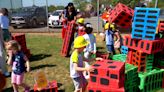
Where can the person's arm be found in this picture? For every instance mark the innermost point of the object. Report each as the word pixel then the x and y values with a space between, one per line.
pixel 27 63
pixel 81 68
pixel 9 61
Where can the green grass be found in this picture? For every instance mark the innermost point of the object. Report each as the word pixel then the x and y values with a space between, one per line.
pixel 45 50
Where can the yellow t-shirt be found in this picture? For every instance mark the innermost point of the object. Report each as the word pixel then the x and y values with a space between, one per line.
pixel 76 58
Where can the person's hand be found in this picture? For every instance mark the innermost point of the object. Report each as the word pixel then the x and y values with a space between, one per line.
pixel 28 69
pixel 10 53
pixel 99 59
pixel 90 69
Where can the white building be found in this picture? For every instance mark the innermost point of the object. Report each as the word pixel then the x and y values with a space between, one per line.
pixel 10 4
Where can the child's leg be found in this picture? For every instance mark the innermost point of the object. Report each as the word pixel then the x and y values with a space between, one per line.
pixel 84 83
pixel 76 82
pixel 15 87
pixel 14 81
pixel 20 82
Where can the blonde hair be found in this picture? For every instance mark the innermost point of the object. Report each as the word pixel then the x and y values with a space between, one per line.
pixel 12 44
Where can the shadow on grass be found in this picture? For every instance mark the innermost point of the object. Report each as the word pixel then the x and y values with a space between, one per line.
pixel 8 89
pixel 39 57
pixel 42 66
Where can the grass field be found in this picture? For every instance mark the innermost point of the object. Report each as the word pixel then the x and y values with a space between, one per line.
pixel 45 50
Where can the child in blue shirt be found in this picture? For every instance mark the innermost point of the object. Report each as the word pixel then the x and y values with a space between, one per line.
pixel 109 37
pixel 18 60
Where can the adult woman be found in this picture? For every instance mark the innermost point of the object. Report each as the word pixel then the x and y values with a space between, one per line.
pixel 70 12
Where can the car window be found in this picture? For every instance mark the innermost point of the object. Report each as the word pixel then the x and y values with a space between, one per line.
pixel 56 13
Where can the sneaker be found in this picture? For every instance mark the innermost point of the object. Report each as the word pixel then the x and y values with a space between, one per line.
pixel 27 89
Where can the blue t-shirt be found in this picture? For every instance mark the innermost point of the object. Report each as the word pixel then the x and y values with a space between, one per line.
pixel 18 63
pixel 109 37
pixel 4 22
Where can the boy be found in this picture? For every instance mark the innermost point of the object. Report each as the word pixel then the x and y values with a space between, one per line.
pixel 77 65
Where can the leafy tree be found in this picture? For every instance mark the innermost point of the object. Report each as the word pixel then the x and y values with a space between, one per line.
pixel 51 8
pixel 80 4
pixel 59 7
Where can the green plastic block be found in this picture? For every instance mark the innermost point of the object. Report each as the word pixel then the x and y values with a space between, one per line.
pixel 130 71
pixel 133 88
pixel 119 57
pixel 151 80
pixel 149 62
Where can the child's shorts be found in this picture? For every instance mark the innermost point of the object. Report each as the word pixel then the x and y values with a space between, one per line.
pixel 17 79
pixel 79 82
pixel 110 48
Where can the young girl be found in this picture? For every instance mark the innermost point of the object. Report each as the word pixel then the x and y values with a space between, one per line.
pixel 77 65
pixel 18 60
pixel 4 23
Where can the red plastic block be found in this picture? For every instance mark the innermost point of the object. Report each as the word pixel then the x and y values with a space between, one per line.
pixel 102 55
pixel 110 72
pixel 121 15
pixel 129 57
pixel 139 60
pixel 52 87
pixel 146 46
pixel 64 28
pixel 95 88
pixel 20 38
pixel 27 53
pixel 161 26
pixel 68 39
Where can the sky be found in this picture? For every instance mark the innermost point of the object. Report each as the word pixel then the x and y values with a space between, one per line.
pixel 43 2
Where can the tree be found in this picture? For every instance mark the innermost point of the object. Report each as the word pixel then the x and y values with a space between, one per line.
pixel 80 4
pixel 51 8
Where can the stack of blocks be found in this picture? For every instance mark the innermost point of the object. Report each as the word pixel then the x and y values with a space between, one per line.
pixel 108 76
pixel 20 38
pixel 68 39
pixel 144 49
pixel 121 15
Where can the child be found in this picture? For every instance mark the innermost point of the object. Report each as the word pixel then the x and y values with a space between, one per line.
pixel 4 23
pixel 90 49
pixel 109 36
pixel 81 30
pixel 76 65
pixel 119 41
pixel 17 59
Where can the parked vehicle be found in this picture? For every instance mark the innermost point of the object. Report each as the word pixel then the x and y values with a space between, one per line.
pixel 29 17
pixel 55 19
pixel 161 17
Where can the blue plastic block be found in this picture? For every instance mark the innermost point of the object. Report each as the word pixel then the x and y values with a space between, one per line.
pixel 124 50
pixel 144 23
